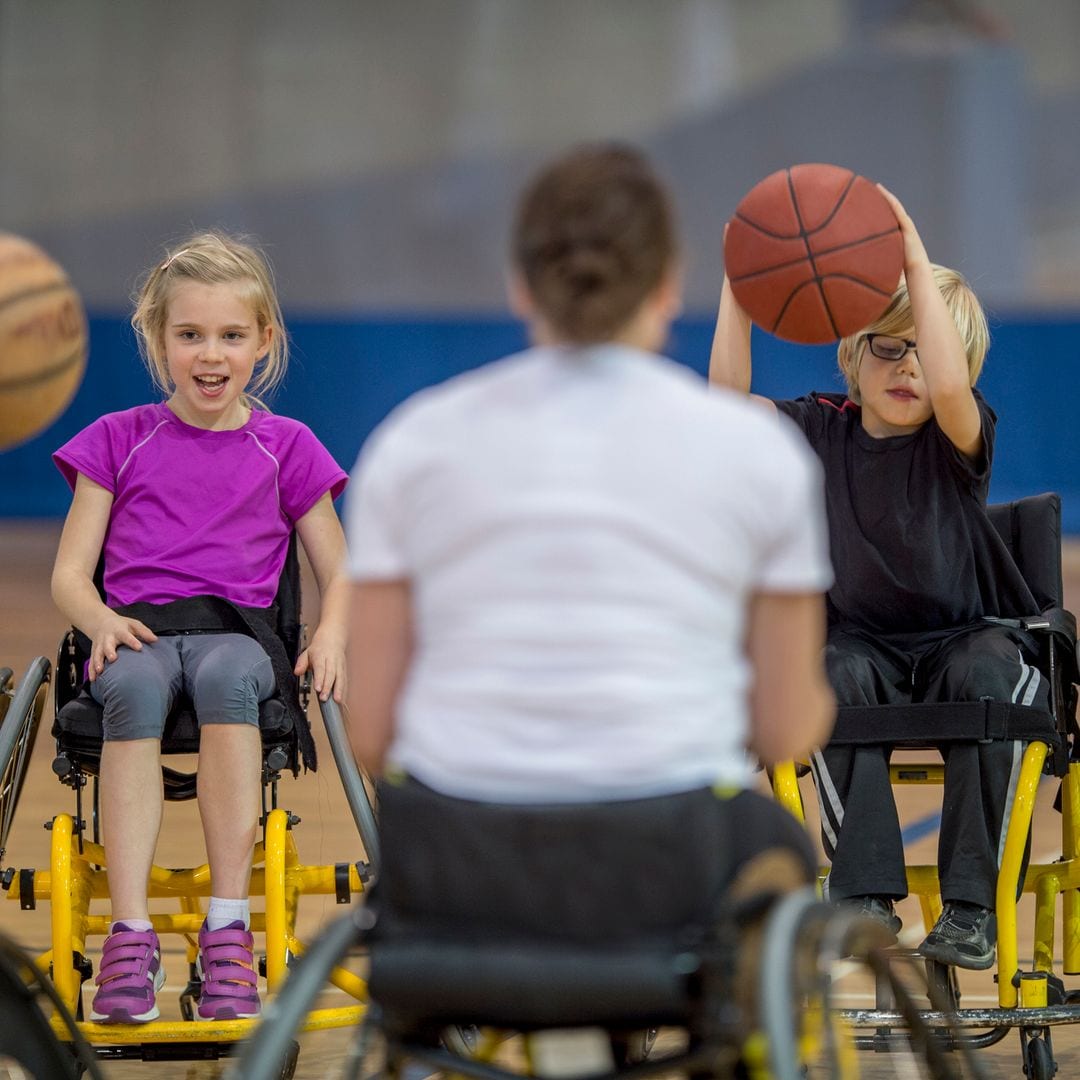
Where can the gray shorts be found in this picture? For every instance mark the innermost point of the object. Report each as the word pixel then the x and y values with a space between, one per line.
pixel 224 675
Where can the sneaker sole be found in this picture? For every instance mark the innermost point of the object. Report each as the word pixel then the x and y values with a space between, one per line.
pixel 230 1014
pixel 944 955
pixel 122 1017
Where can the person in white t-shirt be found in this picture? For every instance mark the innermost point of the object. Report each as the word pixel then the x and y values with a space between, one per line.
pixel 580 575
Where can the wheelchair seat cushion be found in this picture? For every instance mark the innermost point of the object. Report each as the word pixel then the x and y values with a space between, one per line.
pixel 79 725
pixel 523 985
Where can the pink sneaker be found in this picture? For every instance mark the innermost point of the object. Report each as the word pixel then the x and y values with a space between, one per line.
pixel 128 978
pixel 227 967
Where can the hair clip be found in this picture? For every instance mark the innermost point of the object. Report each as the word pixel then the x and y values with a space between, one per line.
pixel 169 261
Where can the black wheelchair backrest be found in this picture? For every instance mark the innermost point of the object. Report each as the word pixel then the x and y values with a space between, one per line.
pixel 1031 530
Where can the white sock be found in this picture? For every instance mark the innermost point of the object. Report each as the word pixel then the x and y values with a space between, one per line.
pixel 140 925
pixel 222 912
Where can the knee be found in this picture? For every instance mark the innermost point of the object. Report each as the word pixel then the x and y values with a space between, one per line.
pixel 229 691
pixel 134 698
pixel 851 675
pixel 977 671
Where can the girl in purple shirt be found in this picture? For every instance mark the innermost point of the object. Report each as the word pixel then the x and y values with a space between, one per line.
pixel 193 501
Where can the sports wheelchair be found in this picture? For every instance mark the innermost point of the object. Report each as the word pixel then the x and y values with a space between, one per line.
pixel 77 869
pixel 556 941
pixel 1031 1000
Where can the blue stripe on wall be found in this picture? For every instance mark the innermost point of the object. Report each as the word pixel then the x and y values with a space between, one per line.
pixel 345 376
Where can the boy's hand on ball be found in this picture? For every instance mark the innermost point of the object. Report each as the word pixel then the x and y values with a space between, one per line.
pixel 914 250
pixel 113 631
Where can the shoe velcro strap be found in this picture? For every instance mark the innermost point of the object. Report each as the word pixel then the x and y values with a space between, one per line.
pixel 213 938
pixel 233 973
pixel 130 939
pixel 121 968
pixel 228 954
pixel 126 952
pixel 122 980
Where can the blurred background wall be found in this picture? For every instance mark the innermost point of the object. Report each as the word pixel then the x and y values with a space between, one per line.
pixel 375 148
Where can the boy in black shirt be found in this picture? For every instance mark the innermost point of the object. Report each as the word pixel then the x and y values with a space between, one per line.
pixel 918 564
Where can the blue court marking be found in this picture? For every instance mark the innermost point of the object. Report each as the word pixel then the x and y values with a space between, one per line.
pixel 923 827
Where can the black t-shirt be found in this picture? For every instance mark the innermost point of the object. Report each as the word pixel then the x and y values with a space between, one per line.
pixel 912 547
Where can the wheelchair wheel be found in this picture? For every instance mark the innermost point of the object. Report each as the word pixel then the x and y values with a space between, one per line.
pixel 1039 1061
pixel 288 1066
pixel 271 1047
pixel 461 1040
pixel 359 790
pixel 805 1035
pixel 28 1047
pixel 632 1048
pixel 21 716
pixel 5 691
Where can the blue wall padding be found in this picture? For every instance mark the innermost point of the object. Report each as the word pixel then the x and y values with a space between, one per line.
pixel 345 376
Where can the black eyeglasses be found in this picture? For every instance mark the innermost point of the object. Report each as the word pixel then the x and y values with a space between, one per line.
pixel 887 347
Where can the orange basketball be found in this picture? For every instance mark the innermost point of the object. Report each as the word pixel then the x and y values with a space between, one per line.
pixel 43 340
pixel 813 253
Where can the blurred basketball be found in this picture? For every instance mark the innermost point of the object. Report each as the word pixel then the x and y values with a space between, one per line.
pixel 43 340
pixel 813 253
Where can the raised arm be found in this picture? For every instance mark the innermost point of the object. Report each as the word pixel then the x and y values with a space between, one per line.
pixel 940 347
pixel 792 708
pixel 729 361
pixel 380 648
pixel 73 589
pixel 324 544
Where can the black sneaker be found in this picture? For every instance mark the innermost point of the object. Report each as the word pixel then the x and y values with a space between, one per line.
pixel 878 908
pixel 965 936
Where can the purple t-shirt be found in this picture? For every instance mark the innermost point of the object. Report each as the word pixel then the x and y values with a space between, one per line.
pixel 199 512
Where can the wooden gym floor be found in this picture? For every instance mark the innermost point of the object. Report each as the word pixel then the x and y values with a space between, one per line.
pixel 30 626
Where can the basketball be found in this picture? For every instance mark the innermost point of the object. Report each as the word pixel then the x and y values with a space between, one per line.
pixel 43 340
pixel 813 253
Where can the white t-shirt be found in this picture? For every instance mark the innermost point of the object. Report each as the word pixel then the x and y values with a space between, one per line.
pixel 581 529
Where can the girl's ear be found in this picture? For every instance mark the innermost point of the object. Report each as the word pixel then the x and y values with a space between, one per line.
pixel 264 345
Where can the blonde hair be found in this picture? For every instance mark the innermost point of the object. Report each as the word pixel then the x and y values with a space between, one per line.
pixel 212 258
pixel 897 321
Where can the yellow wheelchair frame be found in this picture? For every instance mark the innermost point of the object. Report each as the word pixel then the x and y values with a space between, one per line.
pixel 1031 1000
pixel 77 875
pixel 1047 881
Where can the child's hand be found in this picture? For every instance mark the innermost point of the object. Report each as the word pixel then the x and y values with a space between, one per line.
pixel 325 657
pixel 914 251
pixel 113 631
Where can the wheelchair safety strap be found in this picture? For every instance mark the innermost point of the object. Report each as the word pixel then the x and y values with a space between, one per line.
pixel 212 614
pixel 929 724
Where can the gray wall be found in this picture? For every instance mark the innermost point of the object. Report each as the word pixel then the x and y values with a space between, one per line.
pixel 375 146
